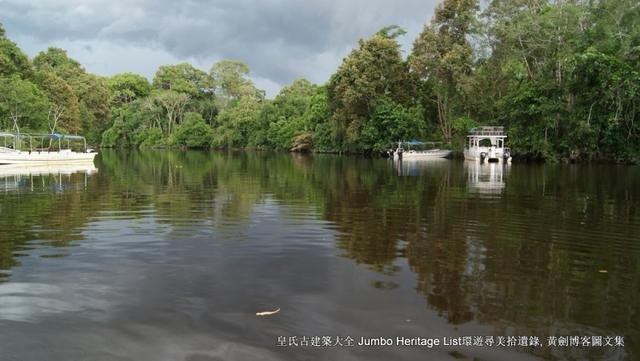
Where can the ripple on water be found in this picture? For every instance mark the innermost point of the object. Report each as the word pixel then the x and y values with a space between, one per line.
pixel 182 248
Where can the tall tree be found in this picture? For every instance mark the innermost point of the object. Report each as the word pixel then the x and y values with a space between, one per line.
pixel 173 104
pixel 231 81
pixel 65 109
pixel 183 78
pixel 372 72
pixel 22 104
pixel 90 89
pixel 282 119
pixel 12 59
pixel 236 123
pixel 442 57
pixel 127 87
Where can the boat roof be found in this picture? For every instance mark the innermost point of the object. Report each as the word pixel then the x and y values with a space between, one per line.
pixel 419 142
pixel 49 136
pixel 414 142
pixel 15 135
pixel 487 131
pixel 63 136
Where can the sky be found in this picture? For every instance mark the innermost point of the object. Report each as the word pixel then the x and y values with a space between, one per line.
pixel 280 40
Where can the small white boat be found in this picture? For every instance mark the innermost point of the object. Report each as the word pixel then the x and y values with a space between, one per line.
pixel 494 151
pixel 413 154
pixel 426 154
pixel 18 148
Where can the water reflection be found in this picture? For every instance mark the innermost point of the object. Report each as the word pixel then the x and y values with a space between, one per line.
pixel 55 177
pixel 41 208
pixel 194 243
pixel 416 167
pixel 486 178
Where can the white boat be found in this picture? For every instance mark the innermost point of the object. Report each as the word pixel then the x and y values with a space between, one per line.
pixel 18 148
pixel 412 154
pixel 426 154
pixel 494 151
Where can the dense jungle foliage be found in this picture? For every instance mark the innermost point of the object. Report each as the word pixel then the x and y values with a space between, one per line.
pixel 563 77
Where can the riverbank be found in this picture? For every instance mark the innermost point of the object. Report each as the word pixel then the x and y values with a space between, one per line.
pixel 457 154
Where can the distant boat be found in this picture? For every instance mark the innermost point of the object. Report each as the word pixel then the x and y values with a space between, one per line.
pixel 413 154
pixel 19 148
pixel 494 152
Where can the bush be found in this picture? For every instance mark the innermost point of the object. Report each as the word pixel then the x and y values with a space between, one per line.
pixel 323 138
pixel 150 137
pixel 391 122
pixel 302 142
pixel 193 132
pixel 110 137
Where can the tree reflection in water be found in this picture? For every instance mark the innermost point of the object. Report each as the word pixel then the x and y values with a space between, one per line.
pixel 518 247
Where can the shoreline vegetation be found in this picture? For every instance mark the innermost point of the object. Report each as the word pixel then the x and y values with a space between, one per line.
pixel 563 77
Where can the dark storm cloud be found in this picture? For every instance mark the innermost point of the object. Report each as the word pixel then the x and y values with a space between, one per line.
pixel 279 39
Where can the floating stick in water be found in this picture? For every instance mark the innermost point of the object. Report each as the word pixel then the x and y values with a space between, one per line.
pixel 267 313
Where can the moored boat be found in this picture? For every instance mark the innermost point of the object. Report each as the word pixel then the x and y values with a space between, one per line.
pixel 413 154
pixel 494 151
pixel 19 148
pixel 426 154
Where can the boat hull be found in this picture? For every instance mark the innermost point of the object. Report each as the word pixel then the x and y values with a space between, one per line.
pixel 39 158
pixel 491 157
pixel 426 155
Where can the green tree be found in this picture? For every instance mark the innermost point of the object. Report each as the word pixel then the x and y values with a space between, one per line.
pixel 231 82
pixel 284 117
pixel 184 78
pixel 90 90
pixel 12 59
pixel 317 119
pixel 391 122
pixel 64 111
pixel 22 105
pixel 193 132
pixel 173 104
pixel 127 87
pixel 58 59
pixel 546 74
pixel 606 93
pixel 235 124
pixel 373 71
pixel 196 84
pixel 442 58
pixel 137 123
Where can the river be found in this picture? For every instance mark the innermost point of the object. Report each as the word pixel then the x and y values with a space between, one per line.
pixel 169 255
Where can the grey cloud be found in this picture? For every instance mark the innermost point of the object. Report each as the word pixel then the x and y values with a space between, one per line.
pixel 279 39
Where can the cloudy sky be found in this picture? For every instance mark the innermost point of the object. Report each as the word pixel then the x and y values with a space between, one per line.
pixel 281 40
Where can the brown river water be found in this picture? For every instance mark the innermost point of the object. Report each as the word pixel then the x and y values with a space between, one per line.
pixel 169 255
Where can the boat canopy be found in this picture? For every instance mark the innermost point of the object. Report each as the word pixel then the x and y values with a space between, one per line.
pixel 14 135
pixel 47 136
pixel 490 131
pixel 30 138
pixel 495 135
pixel 63 136
pixel 419 142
